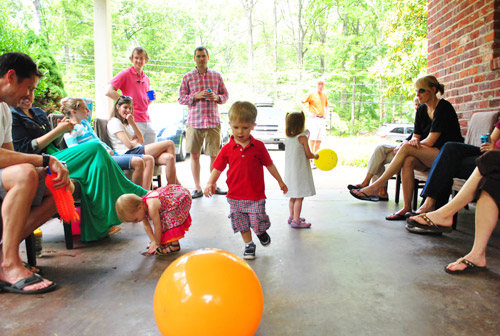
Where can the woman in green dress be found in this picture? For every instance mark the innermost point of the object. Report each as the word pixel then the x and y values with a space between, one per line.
pixel 100 178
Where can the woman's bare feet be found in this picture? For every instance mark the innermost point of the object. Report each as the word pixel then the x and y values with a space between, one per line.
pixel 435 217
pixel 459 265
pixel 367 191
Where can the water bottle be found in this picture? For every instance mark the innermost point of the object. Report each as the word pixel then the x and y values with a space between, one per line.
pixel 38 242
pixel 485 138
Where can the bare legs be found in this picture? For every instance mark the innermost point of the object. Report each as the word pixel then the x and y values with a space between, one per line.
pixel 164 154
pixel 295 205
pixel 486 219
pixel 444 215
pixel 196 168
pixel 21 181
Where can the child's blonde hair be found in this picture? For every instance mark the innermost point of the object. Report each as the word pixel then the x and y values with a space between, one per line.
pixel 127 204
pixel 243 111
pixel 295 123
pixel 70 104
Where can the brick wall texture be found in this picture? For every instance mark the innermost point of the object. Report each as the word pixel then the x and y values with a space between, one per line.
pixel 464 53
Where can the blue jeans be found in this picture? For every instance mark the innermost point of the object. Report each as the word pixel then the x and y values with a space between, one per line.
pixel 456 159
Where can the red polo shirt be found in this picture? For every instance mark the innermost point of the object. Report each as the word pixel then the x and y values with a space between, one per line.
pixel 245 177
pixel 136 86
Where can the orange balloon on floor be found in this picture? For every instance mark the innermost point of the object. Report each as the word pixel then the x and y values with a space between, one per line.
pixel 208 292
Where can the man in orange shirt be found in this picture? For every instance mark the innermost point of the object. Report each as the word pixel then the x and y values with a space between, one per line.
pixel 315 107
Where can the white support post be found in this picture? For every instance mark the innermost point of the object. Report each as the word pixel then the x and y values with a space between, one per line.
pixel 102 56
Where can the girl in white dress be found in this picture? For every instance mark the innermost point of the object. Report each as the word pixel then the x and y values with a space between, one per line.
pixel 298 174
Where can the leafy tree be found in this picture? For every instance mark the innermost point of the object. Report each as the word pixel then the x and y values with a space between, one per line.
pixel 50 88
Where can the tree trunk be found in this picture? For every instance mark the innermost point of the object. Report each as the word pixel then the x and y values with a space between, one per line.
pixel 38 17
pixel 353 100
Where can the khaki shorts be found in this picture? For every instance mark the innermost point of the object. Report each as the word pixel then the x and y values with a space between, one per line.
pixel 196 136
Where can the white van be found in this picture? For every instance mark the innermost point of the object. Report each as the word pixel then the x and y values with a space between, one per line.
pixel 270 127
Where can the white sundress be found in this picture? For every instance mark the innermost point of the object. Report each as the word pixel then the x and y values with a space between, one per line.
pixel 298 174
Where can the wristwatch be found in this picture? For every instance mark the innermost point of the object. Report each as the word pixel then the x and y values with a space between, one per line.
pixel 46 160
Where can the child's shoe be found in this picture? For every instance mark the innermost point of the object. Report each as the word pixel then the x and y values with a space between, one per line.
pixel 264 238
pixel 300 225
pixel 249 253
pixel 301 219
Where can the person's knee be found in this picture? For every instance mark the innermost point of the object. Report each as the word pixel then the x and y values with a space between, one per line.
pixel 137 164
pixel 20 175
pixel 410 162
pixel 195 156
pixel 148 160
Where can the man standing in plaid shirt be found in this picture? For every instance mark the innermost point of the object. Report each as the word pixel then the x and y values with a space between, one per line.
pixel 202 90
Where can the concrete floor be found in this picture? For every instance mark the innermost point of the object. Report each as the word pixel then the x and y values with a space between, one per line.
pixel 352 273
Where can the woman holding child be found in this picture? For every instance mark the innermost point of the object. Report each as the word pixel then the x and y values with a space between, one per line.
pixel 436 123
pixel 100 178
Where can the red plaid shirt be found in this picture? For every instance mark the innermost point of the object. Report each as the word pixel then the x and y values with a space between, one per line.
pixel 202 113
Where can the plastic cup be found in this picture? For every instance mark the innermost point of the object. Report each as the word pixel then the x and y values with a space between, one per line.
pixel 151 94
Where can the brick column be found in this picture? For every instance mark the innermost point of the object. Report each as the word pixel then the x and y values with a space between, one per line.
pixel 464 53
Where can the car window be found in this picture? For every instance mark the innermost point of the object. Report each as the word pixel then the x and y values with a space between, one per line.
pixel 409 129
pixel 399 130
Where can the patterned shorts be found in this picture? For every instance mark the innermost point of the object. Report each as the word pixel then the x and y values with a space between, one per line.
pixel 246 214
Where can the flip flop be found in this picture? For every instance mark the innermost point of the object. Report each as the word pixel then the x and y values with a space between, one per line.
pixel 365 197
pixel 470 267
pixel 411 214
pixel 17 288
pixel 395 216
pixel 417 230
pixel 354 186
pixel 430 224
pixel 383 199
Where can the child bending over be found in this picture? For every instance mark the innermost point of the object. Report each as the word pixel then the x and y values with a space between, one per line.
pixel 167 207
pixel 245 178
pixel 298 174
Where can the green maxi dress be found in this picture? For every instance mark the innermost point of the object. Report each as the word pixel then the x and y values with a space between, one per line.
pixel 102 182
pixel 100 178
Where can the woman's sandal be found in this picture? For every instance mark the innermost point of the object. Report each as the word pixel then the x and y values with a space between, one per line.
pixel 430 224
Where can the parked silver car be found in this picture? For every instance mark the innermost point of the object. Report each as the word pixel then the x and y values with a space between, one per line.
pixel 396 132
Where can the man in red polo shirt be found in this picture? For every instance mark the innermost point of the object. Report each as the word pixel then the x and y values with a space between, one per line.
pixel 246 158
pixel 134 83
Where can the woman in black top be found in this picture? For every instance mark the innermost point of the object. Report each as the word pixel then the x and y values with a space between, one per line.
pixel 436 123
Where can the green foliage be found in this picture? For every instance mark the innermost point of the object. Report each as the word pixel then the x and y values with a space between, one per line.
pixel 50 88
pixel 369 52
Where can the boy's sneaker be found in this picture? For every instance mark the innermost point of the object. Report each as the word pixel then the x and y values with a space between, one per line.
pixel 264 238
pixel 249 253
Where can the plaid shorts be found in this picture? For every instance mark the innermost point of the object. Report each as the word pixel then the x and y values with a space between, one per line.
pixel 246 214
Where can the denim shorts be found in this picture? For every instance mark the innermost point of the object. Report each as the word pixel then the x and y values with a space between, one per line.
pixel 124 160
pixel 136 150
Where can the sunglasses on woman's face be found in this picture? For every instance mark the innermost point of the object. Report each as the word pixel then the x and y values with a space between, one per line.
pixel 421 91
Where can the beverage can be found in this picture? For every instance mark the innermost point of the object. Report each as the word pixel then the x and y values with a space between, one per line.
pixel 485 138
